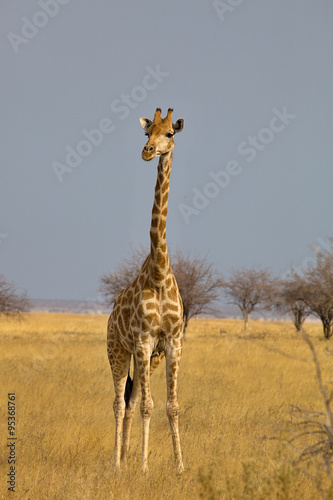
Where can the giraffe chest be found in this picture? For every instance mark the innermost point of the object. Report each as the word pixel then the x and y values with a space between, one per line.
pixel 159 311
pixel 146 315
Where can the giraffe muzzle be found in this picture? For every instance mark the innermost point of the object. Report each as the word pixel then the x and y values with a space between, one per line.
pixel 148 152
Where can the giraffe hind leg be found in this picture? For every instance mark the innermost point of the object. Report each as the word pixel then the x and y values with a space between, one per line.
pixel 132 395
pixel 155 360
pixel 156 356
pixel 128 389
pixel 119 360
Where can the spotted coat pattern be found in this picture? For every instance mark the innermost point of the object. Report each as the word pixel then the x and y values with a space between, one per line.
pixel 147 319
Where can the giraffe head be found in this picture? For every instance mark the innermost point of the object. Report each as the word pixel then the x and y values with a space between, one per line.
pixel 160 134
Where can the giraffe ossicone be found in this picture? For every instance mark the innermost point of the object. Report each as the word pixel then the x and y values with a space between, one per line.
pixel 146 323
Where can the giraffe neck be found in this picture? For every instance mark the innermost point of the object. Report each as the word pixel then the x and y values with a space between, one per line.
pixel 159 257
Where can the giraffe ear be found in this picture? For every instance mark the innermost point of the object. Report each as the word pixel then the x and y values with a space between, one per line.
pixel 178 126
pixel 145 123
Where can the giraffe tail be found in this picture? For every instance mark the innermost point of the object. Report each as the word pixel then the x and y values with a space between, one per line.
pixel 128 389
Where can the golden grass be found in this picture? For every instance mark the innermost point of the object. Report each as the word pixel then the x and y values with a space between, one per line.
pixel 235 392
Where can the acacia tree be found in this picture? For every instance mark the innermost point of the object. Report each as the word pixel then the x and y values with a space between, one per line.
pixel 199 284
pixel 123 276
pixel 250 290
pixel 318 288
pixel 12 302
pixel 290 298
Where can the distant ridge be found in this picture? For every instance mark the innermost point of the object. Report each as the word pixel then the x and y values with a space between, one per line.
pixel 95 307
pixel 69 306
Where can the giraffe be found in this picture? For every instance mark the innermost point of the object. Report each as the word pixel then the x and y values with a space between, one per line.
pixel 146 323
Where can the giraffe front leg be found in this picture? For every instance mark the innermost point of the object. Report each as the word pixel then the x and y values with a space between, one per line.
pixel 146 405
pixel 173 355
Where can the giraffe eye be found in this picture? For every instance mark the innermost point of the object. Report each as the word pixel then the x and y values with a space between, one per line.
pixel 146 133
pixel 169 134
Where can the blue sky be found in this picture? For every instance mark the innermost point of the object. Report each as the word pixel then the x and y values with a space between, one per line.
pixel 252 174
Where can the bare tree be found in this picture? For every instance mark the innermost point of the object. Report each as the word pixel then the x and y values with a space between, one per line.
pixel 199 284
pixel 250 290
pixel 290 298
pixel 123 276
pixel 318 286
pixel 12 302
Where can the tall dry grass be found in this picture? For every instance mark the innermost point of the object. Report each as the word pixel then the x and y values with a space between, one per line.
pixel 235 394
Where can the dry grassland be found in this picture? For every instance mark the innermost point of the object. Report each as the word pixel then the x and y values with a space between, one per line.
pixel 235 392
